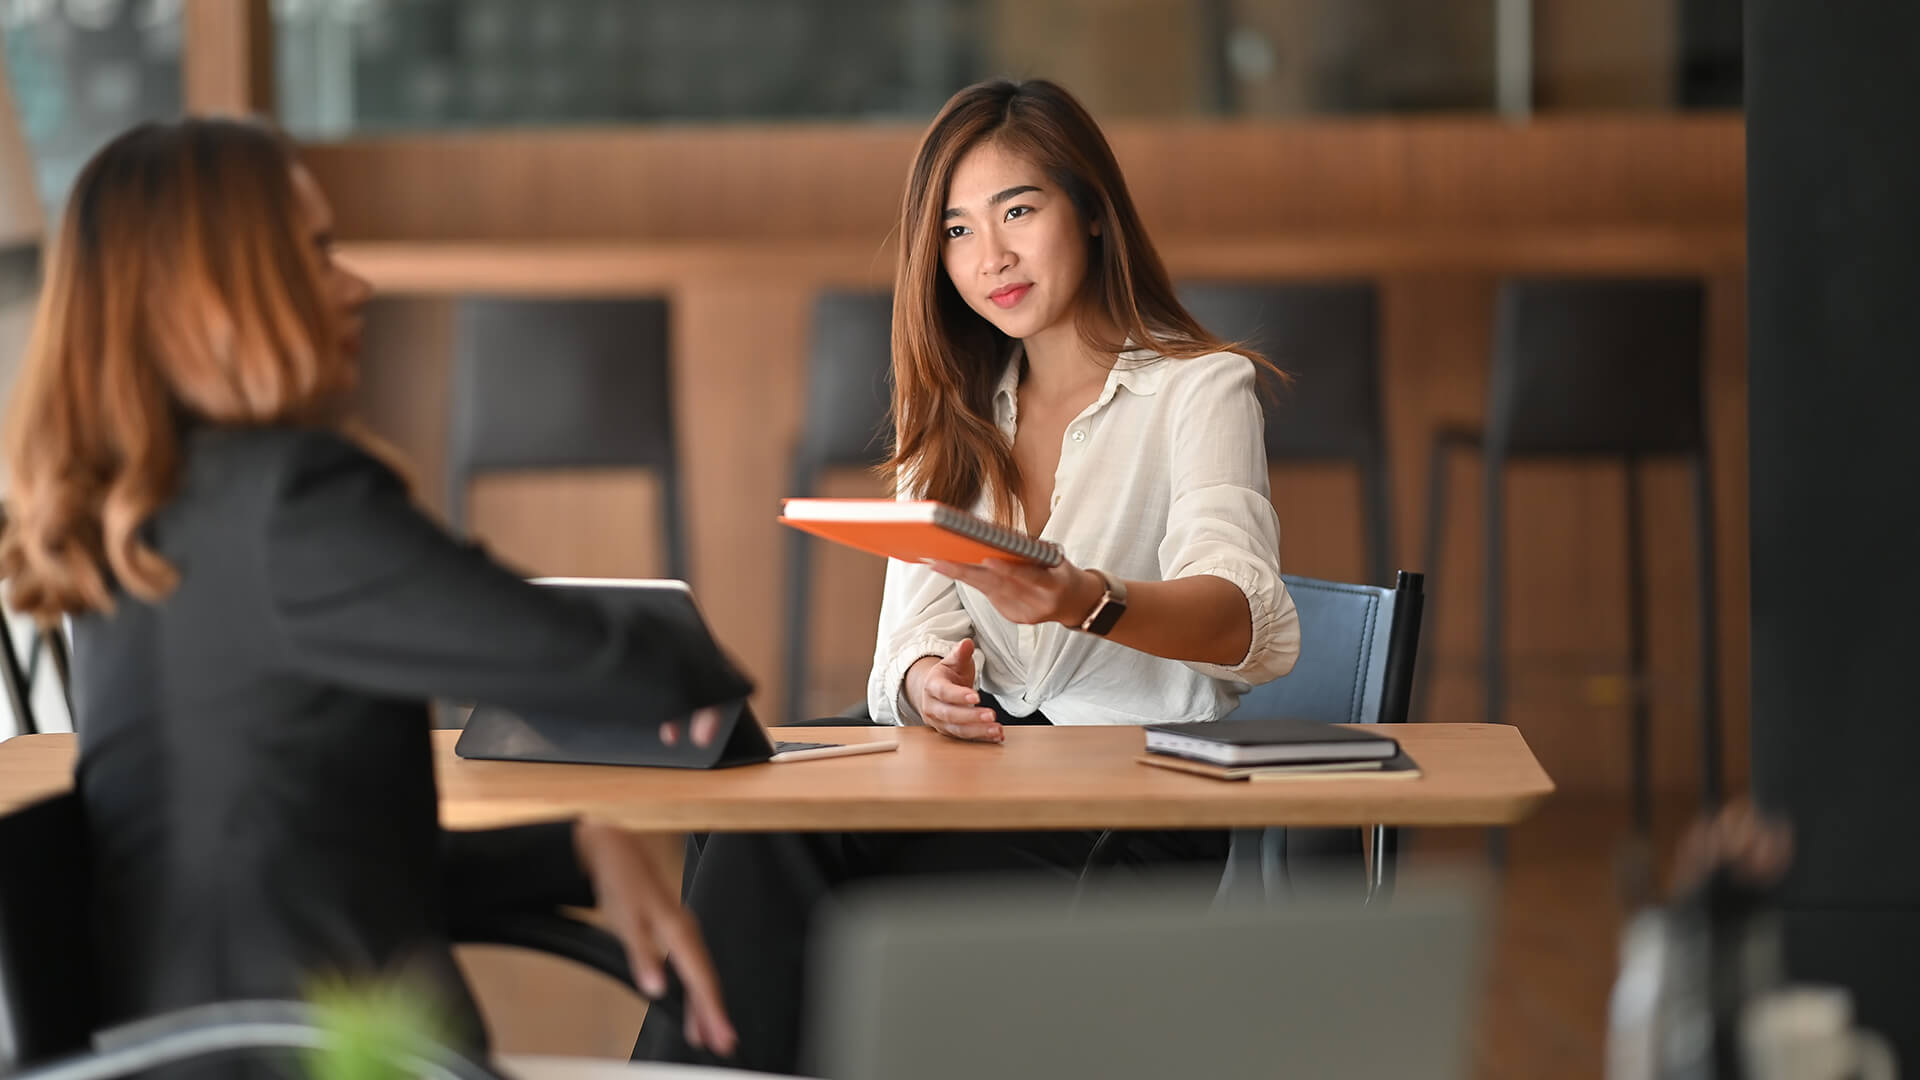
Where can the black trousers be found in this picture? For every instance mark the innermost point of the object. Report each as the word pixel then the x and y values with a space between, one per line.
pixel 755 895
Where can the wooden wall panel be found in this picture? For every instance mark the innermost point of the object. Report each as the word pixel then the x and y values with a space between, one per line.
pixel 227 60
pixel 1191 179
pixel 1609 54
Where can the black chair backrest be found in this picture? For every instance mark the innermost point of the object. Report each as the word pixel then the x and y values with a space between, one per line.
pixel 849 382
pixel 1358 645
pixel 1597 365
pixel 1327 336
pixel 48 1006
pixel 564 383
pixel 13 678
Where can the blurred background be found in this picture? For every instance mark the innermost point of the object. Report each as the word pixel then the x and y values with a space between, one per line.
pixel 739 163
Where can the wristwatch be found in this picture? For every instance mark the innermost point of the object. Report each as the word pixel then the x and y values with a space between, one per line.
pixel 1112 605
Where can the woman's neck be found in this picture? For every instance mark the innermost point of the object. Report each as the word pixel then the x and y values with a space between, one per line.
pixel 1059 362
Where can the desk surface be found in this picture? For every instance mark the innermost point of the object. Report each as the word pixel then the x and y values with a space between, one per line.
pixel 614 268
pixel 1066 778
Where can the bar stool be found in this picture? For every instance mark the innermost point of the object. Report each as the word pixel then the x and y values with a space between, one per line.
pixel 849 387
pixel 1327 336
pixel 560 384
pixel 1586 368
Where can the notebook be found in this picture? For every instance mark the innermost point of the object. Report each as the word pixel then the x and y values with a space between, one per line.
pixel 1398 767
pixel 1274 740
pixel 915 531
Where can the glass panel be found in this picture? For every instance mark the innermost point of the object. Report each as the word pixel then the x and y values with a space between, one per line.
pixel 348 66
pixel 383 65
pixel 83 71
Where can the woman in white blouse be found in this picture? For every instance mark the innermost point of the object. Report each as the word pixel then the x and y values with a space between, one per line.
pixel 1046 378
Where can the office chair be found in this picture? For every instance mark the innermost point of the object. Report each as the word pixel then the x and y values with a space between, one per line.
pixel 19 680
pixel 49 1009
pixel 848 391
pixel 1327 336
pixel 1359 645
pixel 1596 368
pixel 565 383
pixel 1358 649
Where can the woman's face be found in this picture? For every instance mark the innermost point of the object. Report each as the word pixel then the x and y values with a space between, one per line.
pixel 1013 243
pixel 346 292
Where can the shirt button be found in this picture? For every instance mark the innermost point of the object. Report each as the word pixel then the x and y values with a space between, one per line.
pixel 1056 500
pixel 1080 436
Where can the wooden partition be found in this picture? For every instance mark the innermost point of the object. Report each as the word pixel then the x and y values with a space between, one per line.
pixel 741 227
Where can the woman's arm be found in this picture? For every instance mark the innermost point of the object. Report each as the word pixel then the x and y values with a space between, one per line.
pixel 1201 619
pixel 1220 605
pixel 367 592
pixel 921 621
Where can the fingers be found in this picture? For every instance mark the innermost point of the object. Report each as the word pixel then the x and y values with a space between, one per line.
pixel 703 727
pixel 976 576
pixel 706 1014
pixel 706 725
pixel 643 910
pixel 963 722
pixel 951 706
pixel 959 663
pixel 644 956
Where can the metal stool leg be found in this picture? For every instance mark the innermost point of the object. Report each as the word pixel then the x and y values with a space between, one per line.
pixel 1439 455
pixel 1637 679
pixel 1710 750
pixel 1378 521
pixel 799 605
pixel 1493 611
pixel 1386 856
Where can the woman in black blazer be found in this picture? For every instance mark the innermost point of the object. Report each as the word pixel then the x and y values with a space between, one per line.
pixel 260 613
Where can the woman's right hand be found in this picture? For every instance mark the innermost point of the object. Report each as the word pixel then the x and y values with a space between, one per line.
pixel 941 690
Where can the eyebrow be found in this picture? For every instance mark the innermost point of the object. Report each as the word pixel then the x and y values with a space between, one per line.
pixel 996 200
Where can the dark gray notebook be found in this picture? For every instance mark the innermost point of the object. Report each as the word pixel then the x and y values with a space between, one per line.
pixel 1272 740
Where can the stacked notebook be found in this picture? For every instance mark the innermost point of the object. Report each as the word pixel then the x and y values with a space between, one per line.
pixel 1273 748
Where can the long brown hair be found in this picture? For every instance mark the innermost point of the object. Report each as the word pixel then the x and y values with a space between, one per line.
pixel 947 360
pixel 181 290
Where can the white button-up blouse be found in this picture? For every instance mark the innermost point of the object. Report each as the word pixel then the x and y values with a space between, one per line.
pixel 1164 476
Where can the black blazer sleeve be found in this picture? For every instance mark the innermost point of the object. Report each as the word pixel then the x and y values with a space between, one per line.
pixel 368 592
pixel 527 866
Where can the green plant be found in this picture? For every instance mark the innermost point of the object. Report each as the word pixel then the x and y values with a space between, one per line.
pixel 374 1027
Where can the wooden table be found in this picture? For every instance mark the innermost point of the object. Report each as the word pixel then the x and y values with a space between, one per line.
pixel 1042 778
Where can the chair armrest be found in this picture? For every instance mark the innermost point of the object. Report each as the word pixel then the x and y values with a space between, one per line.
pixel 552 933
pixel 227 1028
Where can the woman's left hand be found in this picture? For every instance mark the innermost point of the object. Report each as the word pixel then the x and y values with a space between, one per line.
pixel 636 893
pixel 1023 592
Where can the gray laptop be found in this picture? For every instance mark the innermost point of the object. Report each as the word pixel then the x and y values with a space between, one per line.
pixel 499 734
pixel 937 983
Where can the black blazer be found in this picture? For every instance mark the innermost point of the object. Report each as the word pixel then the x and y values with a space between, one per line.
pixel 254 751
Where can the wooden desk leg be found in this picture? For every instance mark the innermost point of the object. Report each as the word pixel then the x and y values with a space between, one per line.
pixel 1256 870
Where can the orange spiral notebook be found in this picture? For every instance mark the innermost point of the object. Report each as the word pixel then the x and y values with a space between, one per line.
pixel 915 531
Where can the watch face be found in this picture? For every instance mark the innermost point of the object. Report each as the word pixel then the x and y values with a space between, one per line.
pixel 1103 620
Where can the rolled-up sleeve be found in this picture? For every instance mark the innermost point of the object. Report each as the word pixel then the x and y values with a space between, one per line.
pixel 1220 519
pixel 920 615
